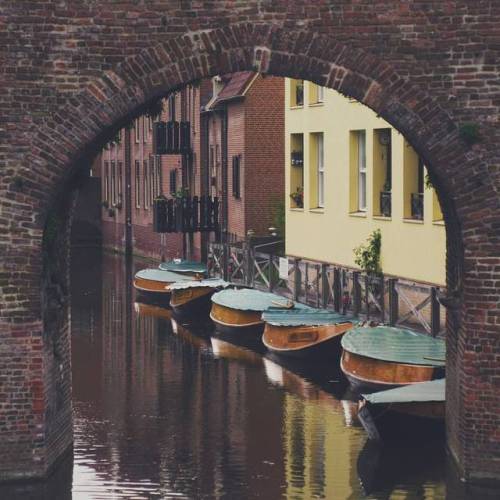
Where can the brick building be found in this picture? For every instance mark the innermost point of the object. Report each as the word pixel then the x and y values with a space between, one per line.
pixel 237 153
pixel 130 156
pixel 245 150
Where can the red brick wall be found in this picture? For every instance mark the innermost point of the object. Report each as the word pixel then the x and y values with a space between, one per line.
pixel 264 171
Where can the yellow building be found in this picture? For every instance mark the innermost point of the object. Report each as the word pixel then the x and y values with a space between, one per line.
pixel 348 173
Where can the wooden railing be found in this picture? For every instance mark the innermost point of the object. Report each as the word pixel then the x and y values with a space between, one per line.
pixel 384 299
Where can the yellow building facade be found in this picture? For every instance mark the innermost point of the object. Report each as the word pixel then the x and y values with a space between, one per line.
pixel 348 173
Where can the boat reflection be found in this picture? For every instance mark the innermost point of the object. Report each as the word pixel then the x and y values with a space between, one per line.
pixel 228 350
pixel 153 310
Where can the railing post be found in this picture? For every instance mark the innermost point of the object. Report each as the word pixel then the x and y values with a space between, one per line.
pixel 225 260
pixel 248 267
pixel 435 313
pixel 296 280
pixel 356 293
pixel 393 302
pixel 325 286
pixel 382 298
pixel 306 283
pixel 270 273
pixel 337 289
pixel 367 296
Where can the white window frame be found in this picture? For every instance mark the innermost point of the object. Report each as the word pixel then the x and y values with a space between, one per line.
pixel 361 147
pixel 320 93
pixel 137 130
pixel 320 159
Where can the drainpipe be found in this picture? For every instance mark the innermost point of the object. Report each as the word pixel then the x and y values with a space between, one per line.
pixel 128 193
pixel 224 154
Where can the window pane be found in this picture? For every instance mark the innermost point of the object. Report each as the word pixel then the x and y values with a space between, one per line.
pixel 361 170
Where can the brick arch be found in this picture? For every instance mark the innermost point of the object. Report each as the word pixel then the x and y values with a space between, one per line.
pixel 89 117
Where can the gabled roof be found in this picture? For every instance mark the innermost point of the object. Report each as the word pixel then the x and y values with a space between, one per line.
pixel 236 86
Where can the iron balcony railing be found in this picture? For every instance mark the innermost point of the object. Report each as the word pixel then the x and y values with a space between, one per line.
pixel 385 203
pixel 417 206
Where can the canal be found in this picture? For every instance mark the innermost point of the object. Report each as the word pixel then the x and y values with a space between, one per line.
pixel 165 411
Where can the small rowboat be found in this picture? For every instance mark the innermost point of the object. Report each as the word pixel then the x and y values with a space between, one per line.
pixel 304 332
pixel 155 284
pixel 384 413
pixel 239 311
pixel 192 298
pixel 187 267
pixel 380 358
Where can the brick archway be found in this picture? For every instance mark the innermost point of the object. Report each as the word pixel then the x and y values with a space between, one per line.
pixel 84 115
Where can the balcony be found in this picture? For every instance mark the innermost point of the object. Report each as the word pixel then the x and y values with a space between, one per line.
pixel 417 206
pixel 297 158
pixel 385 203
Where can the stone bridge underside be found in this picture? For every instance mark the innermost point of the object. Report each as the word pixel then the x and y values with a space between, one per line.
pixel 72 72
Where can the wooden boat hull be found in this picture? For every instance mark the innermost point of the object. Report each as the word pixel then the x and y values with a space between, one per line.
pixel 394 422
pixel 152 290
pixel 192 303
pixel 305 341
pixel 236 322
pixel 369 375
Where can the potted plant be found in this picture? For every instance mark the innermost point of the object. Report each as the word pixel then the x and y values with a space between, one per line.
pixel 298 197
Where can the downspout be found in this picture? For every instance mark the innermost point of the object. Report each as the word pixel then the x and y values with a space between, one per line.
pixel 224 153
pixel 128 194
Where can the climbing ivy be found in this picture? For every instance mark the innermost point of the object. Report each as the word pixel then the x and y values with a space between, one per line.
pixel 367 256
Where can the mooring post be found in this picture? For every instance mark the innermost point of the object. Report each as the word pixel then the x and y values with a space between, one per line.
pixel 296 279
pixel 435 313
pixel 325 287
pixel 393 302
pixel 337 289
pixel 356 293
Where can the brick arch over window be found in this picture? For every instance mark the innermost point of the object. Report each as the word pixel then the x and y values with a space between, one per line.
pixel 62 141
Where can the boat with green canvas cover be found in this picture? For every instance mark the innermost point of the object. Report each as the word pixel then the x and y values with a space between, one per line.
pixel 385 357
pixel 191 299
pixel 154 284
pixel 422 403
pixel 305 332
pixel 240 311
pixel 189 267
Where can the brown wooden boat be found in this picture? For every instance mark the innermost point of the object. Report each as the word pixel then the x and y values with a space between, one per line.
pixel 422 404
pixel 240 311
pixel 304 332
pixel 155 283
pixel 381 358
pixel 191 299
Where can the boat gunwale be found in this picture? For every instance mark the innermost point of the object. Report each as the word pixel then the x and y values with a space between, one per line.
pixel 233 325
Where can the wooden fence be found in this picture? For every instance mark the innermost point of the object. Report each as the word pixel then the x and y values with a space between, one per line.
pixel 389 300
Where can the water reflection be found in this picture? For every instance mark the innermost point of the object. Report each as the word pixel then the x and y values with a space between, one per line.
pixel 167 411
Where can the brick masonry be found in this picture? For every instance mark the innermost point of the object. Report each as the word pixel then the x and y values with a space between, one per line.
pixel 74 72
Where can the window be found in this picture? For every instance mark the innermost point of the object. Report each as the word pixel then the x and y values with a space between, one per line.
pixel 145 129
pixel 120 182
pixel 297 170
pixel 146 185
pixel 382 172
pixel 136 130
pixel 137 184
pixel 113 183
pixel 296 93
pixel 106 181
pixel 320 161
pixel 320 93
pixel 153 181
pixel 361 153
pixel 173 181
pixel 236 176
pixel 171 108
pixel 159 189
pixel 316 93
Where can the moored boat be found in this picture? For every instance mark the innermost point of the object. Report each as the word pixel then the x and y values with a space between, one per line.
pixel 187 267
pixel 191 299
pixel 304 332
pixel 382 358
pixel 155 284
pixel 240 311
pixel 421 405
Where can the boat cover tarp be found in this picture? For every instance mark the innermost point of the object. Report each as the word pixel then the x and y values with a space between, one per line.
pixel 249 299
pixel 396 345
pixel 303 317
pixel 211 283
pixel 419 392
pixel 184 266
pixel 163 276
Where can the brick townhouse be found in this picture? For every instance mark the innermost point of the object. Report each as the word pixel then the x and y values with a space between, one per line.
pixel 236 129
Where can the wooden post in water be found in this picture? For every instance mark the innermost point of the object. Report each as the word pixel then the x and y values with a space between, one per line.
pixel 225 261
